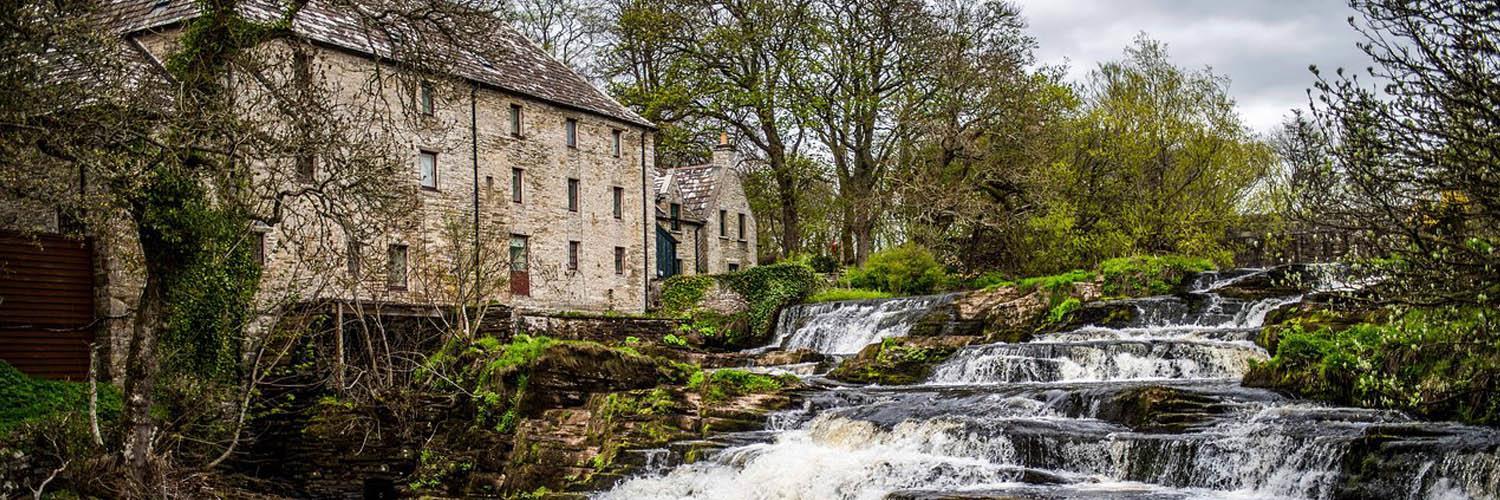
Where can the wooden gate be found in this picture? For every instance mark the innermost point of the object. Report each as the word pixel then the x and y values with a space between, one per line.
pixel 46 305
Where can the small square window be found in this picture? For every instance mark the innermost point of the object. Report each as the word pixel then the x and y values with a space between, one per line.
pixel 573 247
pixel 571 129
pixel 425 98
pixel 733 267
pixel 619 260
pixel 619 201
pixel 616 142
pixel 515 120
pixel 396 267
pixel 572 195
pixel 427 162
pixel 515 184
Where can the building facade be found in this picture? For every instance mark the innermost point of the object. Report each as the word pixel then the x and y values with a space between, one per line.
pixel 529 187
pixel 703 218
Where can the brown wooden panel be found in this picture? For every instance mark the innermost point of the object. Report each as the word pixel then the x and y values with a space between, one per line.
pixel 46 305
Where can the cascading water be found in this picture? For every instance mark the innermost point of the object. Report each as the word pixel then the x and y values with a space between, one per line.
pixel 843 328
pixel 1062 417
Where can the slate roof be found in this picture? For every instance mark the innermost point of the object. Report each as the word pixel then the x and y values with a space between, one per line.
pixel 506 60
pixel 695 187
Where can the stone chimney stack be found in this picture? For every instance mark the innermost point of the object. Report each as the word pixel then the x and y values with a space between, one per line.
pixel 724 154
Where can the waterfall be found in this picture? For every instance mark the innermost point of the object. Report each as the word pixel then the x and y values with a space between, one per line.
pixel 846 327
pixel 1152 408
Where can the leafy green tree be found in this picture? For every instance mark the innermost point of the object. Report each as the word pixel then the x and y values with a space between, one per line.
pixel 1408 158
pixel 1156 160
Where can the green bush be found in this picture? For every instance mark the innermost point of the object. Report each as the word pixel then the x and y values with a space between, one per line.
pixel 26 399
pixel 681 293
pixel 905 270
pixel 824 264
pixel 841 294
pixel 1145 275
pixel 1435 363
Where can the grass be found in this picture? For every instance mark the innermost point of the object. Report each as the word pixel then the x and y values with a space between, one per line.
pixel 842 294
pixel 24 399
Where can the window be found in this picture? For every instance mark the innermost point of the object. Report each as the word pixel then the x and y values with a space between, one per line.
pixel 619 201
pixel 515 184
pixel 619 260
pixel 427 161
pixel 517 253
pixel 616 142
pixel 306 167
pixel 515 120
pixel 573 255
pixel 676 217
pixel 396 267
pixel 572 195
pixel 258 248
pixel 723 223
pixel 424 98
pixel 742 227
pixel 571 128
pixel 353 251
pixel 734 267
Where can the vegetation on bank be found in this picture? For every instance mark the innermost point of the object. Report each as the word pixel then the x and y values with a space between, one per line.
pixel 897 360
pixel 764 291
pixel 843 294
pixel 1432 363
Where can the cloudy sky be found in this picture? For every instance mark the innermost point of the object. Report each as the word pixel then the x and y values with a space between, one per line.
pixel 1264 46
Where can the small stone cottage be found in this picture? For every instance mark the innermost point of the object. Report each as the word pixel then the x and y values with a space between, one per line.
pixel 703 220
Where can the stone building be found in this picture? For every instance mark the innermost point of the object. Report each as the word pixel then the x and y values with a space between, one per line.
pixel 703 220
pixel 554 171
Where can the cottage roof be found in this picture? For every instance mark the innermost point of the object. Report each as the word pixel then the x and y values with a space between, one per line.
pixel 694 187
pixel 506 60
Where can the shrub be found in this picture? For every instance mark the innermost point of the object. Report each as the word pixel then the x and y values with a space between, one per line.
pixel 906 270
pixel 768 289
pixel 824 264
pixel 841 294
pixel 681 293
pixel 1145 275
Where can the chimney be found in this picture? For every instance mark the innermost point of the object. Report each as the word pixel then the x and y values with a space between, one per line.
pixel 724 154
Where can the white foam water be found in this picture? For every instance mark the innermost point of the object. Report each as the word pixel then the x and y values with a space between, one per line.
pixel 844 328
pixel 1043 419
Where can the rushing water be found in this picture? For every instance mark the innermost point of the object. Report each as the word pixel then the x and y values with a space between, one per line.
pixel 1054 418
pixel 843 328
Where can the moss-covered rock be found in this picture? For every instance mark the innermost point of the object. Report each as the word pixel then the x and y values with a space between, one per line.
pixel 899 360
pixel 1434 363
pixel 736 310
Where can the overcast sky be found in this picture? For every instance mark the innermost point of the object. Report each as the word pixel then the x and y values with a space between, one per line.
pixel 1263 46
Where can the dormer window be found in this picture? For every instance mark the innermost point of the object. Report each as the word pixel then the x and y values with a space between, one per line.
pixel 676 212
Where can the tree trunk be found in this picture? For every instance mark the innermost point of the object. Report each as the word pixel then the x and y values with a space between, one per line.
pixel 786 190
pixel 140 380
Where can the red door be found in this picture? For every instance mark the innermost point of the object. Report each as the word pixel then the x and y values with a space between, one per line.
pixel 46 305
pixel 520 275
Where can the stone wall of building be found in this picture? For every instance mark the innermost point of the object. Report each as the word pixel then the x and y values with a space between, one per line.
pixel 736 245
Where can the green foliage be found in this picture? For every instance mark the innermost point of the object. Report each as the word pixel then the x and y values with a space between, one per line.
pixel 1053 283
pixel 840 294
pixel 202 253
pixel 1140 276
pixel 1061 311
pixel 26 399
pixel 768 289
pixel 907 269
pixel 673 340
pixel 435 471
pixel 1437 363
pixel 726 383
pixel 681 293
